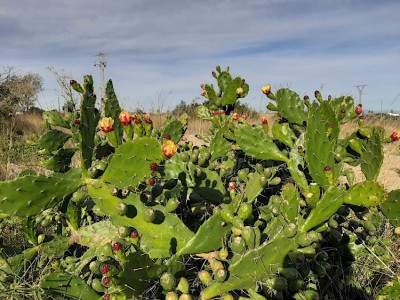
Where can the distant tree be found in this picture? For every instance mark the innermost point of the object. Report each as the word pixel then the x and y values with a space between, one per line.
pixel 65 91
pixel 18 92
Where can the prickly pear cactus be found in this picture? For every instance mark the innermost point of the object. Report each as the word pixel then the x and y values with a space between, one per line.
pixel 256 210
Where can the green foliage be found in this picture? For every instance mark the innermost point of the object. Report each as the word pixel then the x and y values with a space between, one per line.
pixel 251 212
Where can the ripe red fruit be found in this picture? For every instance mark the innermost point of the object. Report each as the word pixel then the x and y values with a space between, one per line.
pixel 264 120
pixel 153 166
pixel 245 116
pixel 327 169
pixel 152 181
pixel 117 246
pixel 134 234
pixel 358 110
pixel 106 280
pixel 395 136
pixel 214 113
pixel 203 93
pixel 235 116
pixel 104 269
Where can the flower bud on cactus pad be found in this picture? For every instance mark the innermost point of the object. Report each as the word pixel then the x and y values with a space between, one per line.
pixel 117 246
pixel 239 91
pixel 106 124
pixel 153 166
pixel 169 148
pixel 266 89
pixel 152 181
pixel 395 136
pixel 104 269
pixel 125 118
pixel 358 110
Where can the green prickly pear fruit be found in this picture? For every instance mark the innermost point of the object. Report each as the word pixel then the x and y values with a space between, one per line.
pixel 277 283
pixel 40 238
pixel 183 286
pixel 259 167
pixel 204 277
pixel 397 231
pixel 237 222
pixel 238 245
pixel 149 215
pixel 124 231
pixel 365 132
pixel 98 286
pixel 94 267
pixel 333 223
pixel 185 157
pixel 185 297
pixel 308 251
pixel 263 180
pixel 227 214
pixel 290 230
pixel 122 208
pixel 223 253
pixel 220 275
pixel 167 281
pixel 172 205
pixel 242 174
pixel 227 297
pixel 171 296
pixel 355 145
pixel 249 237
pixel 79 196
pixel 245 210
pixel 275 181
pixel 289 273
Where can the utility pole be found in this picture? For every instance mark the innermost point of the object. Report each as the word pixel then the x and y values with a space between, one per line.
pixel 102 65
pixel 360 88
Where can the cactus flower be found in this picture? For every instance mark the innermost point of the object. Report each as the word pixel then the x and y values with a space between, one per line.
pixel 239 91
pixel 395 136
pixel 245 116
pixel 222 112
pixel 214 113
pixel 235 116
pixel 106 124
pixel 232 185
pixel 266 89
pixel 169 148
pixel 202 86
pixel 358 110
pixel 125 118
pixel 203 93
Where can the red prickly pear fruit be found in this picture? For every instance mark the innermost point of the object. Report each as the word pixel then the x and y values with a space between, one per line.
pixel 167 281
pixel 104 268
pixel 214 113
pixel 395 136
pixel 117 246
pixel 232 185
pixel 125 118
pixel 358 110
pixel 152 181
pixel 264 120
pixel 153 166
pixel 245 116
pixel 203 93
pixel 134 234
pixel 106 280
pixel 107 297
pixel 235 116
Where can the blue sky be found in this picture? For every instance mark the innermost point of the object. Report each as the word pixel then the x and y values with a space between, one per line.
pixel 168 48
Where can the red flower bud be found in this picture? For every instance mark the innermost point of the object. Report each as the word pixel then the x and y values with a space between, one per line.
pixel 203 93
pixel 125 118
pixel 327 169
pixel 245 116
pixel 152 181
pixel 134 234
pixel 117 246
pixel 358 110
pixel 153 166
pixel 235 116
pixel 214 113
pixel 264 120
pixel 104 269
pixel 395 136
pixel 232 185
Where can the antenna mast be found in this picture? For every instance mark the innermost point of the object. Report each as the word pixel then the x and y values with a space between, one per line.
pixel 360 88
pixel 102 65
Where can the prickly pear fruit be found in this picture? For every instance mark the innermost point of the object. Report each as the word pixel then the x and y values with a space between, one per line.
pixel 183 286
pixel 167 281
pixel 204 277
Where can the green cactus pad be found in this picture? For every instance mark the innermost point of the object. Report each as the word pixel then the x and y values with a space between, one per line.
pixel 53 118
pixel 367 193
pixel 60 161
pixel 283 133
pixel 253 187
pixel 88 124
pixel 28 195
pixel 129 165
pixel 53 140
pixel 68 286
pixel 137 274
pixel 290 106
pixel 156 238
pixel 324 208
pixel 203 241
pixel 219 145
pixel 391 207
pixel 343 107
pixel 256 143
pixel 112 109
pixel 320 138
pixel 371 158
pixel 253 266
pixel 175 129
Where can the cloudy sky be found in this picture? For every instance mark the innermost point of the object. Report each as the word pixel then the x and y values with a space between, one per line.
pixel 166 49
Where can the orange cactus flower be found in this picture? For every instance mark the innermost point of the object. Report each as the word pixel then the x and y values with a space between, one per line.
pixel 235 116
pixel 125 118
pixel 106 124
pixel 169 148
pixel 395 136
